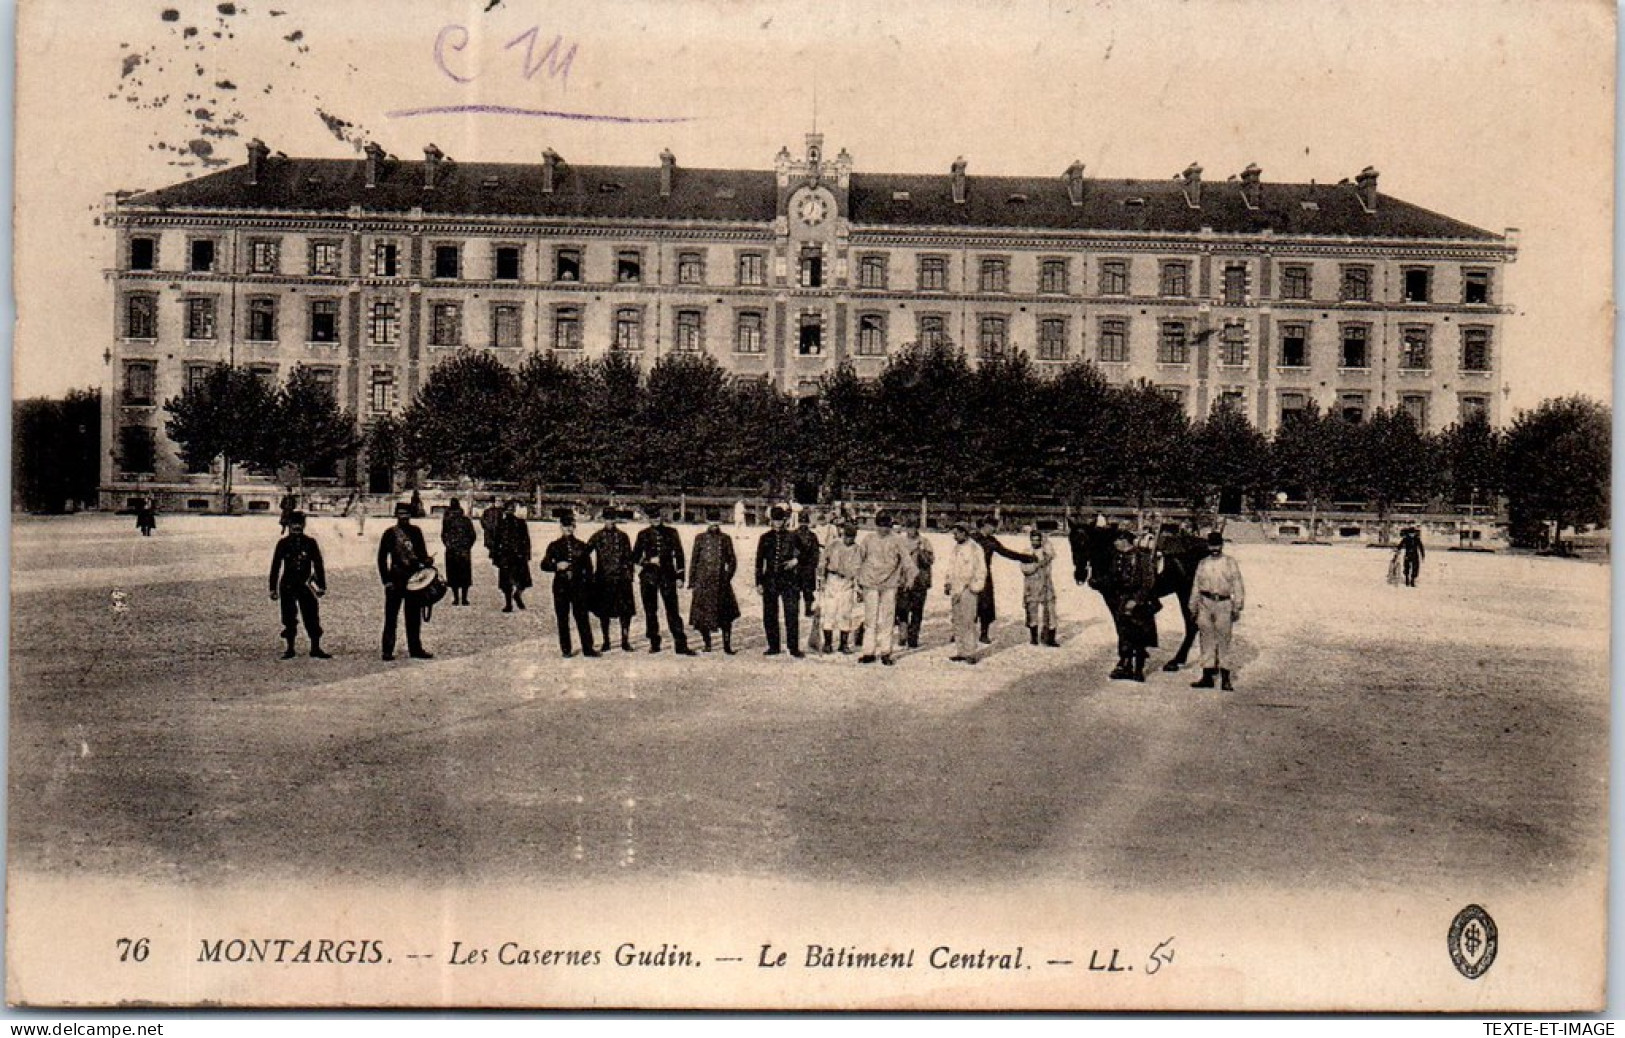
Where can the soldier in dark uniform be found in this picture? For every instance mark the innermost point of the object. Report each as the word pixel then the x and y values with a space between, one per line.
pixel 490 528
pixel 1130 589
pixel 570 561
pixel 401 553
pixel 146 515
pixel 809 553
pixel 612 579
pixel 658 553
pixel 513 557
pixel 986 612
pixel 1410 547
pixel 457 534
pixel 779 562
pixel 298 579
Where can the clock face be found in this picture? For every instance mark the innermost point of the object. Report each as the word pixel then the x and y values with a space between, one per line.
pixel 813 209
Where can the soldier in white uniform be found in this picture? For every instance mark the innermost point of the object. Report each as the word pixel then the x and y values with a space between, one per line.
pixel 1218 596
pixel 965 576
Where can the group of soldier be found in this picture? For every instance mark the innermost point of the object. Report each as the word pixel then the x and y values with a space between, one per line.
pixel 852 589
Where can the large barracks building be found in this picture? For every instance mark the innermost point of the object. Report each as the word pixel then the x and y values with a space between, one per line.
pixel 371 270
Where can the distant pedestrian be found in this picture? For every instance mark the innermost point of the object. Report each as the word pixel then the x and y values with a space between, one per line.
pixel 711 568
pixel 778 580
pixel 570 561
pixel 512 557
pixel 965 574
pixel 986 608
pixel 658 554
pixel 146 515
pixel 1219 596
pixel 1129 586
pixel 911 596
pixel 1038 590
pixel 885 565
pixel 458 536
pixel 1412 553
pixel 612 579
pixel 838 591
pixel 288 505
pixel 297 580
pixel 418 511
pixel 810 548
pixel 401 554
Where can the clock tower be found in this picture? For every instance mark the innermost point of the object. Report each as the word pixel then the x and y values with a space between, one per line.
pixel 810 254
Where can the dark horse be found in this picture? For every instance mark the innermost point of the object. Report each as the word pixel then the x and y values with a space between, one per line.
pixel 1180 552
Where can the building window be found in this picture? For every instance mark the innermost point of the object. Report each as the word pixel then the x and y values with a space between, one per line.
pixel 1294 345
pixel 1475 349
pixel 994 275
pixel 994 340
pixel 933 273
pixel 1474 406
pixel 1173 346
pixel 141 317
pixel 1174 279
pixel 264 256
pixel 1053 276
pixel 262 319
pixel 690 331
pixel 871 335
pixel 1415 405
pixel 200 318
pixel 628 329
pixel 385 259
pixel 752 268
pixel 1356 287
pixel 1418 284
pixel 1293 405
pixel 505 326
pixel 1173 394
pixel 1052 338
pixel 1351 406
pixel 1295 281
pixel 567 264
pixel 690 268
pixel 143 253
pixel 384 323
pixel 266 373
pixel 381 391
pixel 140 382
pixel 1233 346
pixel 933 330
pixel 324 259
pixel 448 262
pixel 324 320
pixel 1232 400
pixel 811 339
pixel 1413 348
pixel 1235 284
pixel 872 271
pixel 812 267
pixel 1475 287
pixel 748 332
pixel 1114 277
pixel 628 266
pixel 197 375
pixel 202 256
pixel 1356 346
pixel 446 324
pixel 137 450
pixel 567 328
pixel 327 380
pixel 1113 346
pixel 506 263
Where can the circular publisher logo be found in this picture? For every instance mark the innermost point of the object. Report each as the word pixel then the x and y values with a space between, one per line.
pixel 1472 942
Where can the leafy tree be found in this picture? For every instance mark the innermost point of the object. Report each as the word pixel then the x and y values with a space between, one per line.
pixel 457 424
pixel 612 414
pixel 1148 443
pixel 683 423
pixel 922 395
pixel 1228 454
pixel 56 448
pixel 229 414
pixel 544 438
pixel 1001 447
pixel 1075 444
pixel 312 432
pixel 761 450
pixel 838 434
pixel 1557 465
pixel 1470 453
pixel 1392 461
pixel 385 446
pixel 1310 456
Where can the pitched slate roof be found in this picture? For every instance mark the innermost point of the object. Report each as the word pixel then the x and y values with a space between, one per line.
pixel 750 196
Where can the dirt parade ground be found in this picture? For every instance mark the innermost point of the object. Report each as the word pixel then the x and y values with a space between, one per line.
pixel 1377 733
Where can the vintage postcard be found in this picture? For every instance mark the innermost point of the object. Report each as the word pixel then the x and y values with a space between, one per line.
pixel 972 505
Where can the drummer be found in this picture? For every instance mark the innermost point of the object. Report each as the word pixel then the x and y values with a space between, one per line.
pixel 401 554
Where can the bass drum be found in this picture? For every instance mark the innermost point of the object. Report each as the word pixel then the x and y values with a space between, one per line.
pixel 426 586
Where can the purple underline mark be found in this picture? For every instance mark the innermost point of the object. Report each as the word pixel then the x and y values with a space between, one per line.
pixel 541 113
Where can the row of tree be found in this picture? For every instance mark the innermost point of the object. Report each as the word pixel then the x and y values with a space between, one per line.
pixel 930 424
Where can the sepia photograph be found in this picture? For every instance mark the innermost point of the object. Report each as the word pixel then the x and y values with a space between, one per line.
pixel 1024 505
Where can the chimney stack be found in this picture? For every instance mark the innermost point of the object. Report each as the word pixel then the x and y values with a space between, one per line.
pixel 257 154
pixel 432 157
pixel 668 169
pixel 1252 191
pixel 1366 188
pixel 550 170
pixel 1192 178
pixel 959 180
pixel 374 162
pixel 1074 183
